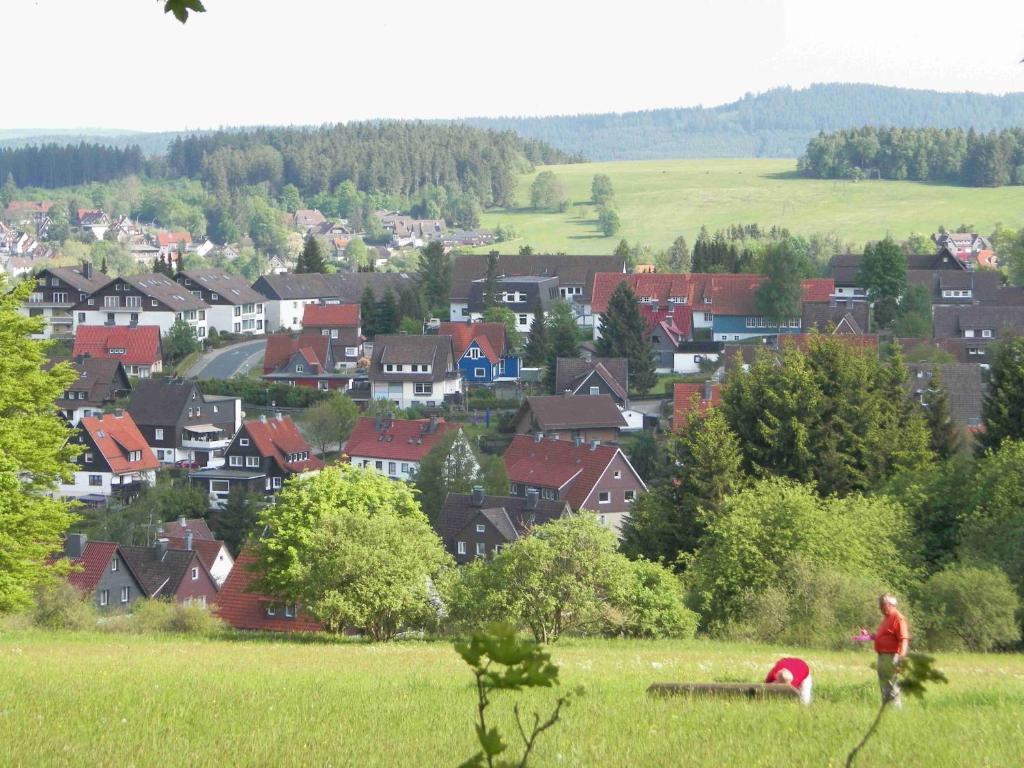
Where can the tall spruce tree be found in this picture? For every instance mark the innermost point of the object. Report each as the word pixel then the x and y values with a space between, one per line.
pixel 311 260
pixel 409 304
pixel 386 316
pixel 778 297
pixel 368 311
pixel 945 440
pixel 1002 410
pixel 435 277
pixel 883 274
pixel 624 334
pixel 678 255
pixel 538 346
pixel 564 341
pixel 490 291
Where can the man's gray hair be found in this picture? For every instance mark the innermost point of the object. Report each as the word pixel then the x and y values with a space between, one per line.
pixel 888 600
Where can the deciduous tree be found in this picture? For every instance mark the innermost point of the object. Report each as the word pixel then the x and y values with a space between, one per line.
pixel 883 274
pixel 1002 409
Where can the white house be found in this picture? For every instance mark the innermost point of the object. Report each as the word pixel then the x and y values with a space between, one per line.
pixel 394 447
pixel 412 370
pixel 115 460
pixel 234 306
pixel 143 299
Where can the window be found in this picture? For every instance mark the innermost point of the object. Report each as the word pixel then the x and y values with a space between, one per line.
pixel 480 528
pixel 243 441
pixel 473 354
pixel 158 434
pixel 523 319
pixel 235 461
pixel 195 574
pixel 252 461
pixel 113 565
pixel 548 493
pixel 351 351
pixel 289 611
pixel 104 597
pixel 96 480
pixel 617 474
pixel 709 316
pixel 969 333
pixel 299 368
pixel 277 482
pixel 462 547
pixel 629 495
pixel 214 297
pixel 153 303
pixel 595 390
pixel 81 317
pixel 88 457
pixel 220 486
pixel 133 301
pixel 479 373
pixel 379 466
pixel 392 467
pixel 481 548
pixel 60 298
pixel 986 333
pixel 974 351
pixel 423 388
pixel 135 456
pixel 271 609
pixel 604 497
pixel 111 301
pixel 323 386
pixel 125 594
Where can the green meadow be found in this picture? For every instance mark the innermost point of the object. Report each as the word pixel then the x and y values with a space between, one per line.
pixel 125 700
pixel 658 200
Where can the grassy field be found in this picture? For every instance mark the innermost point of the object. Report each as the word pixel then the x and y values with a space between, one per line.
pixel 658 200
pixel 101 700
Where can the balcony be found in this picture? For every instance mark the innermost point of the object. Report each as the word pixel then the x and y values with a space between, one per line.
pixel 204 444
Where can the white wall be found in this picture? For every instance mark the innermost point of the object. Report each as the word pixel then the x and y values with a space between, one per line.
pixel 686 362
pixel 404 470
pixel 408 396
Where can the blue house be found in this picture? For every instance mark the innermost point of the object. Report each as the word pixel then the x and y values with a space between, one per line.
pixel 481 352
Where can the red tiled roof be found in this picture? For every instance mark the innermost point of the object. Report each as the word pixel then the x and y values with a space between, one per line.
pixel 281 347
pixel 164 239
pixel 556 461
pixel 243 609
pixel 94 564
pixel 489 336
pixel 276 438
pixel 195 525
pixel 677 320
pixel 403 439
pixel 115 436
pixel 331 315
pixel 141 344
pixel 207 549
pixel 29 205
pixel 683 397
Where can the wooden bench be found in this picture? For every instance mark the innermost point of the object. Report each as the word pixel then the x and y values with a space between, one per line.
pixel 727 690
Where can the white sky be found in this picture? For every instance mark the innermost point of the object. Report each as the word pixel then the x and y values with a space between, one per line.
pixel 124 64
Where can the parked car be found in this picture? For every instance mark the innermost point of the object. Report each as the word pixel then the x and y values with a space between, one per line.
pixel 187 464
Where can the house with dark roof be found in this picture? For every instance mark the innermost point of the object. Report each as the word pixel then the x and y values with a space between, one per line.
pixel 596 376
pixel 143 299
pixel 588 476
pixel 287 294
pixel 172 574
pixel 243 608
pixel 115 460
pixel 234 307
pixel 57 290
pixel 182 424
pixel 977 324
pixel 844 269
pixel 688 398
pixel 482 352
pixel 138 348
pixel 580 418
pixel 94 222
pixel 962 383
pixel 99 384
pixel 473 525
pixel 520 295
pixel 263 454
pixel 845 317
pixel 305 219
pixel 311 360
pixel 410 370
pixel 194 533
pixel 394 447
pixel 972 250
pixel 101 573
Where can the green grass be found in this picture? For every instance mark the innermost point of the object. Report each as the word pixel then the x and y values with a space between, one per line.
pixel 658 200
pixel 101 700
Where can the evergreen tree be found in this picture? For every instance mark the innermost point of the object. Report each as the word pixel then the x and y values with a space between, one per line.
pixel 623 252
pixel 679 255
pixel 778 297
pixel 385 318
pixel 564 341
pixel 451 466
pixel 538 346
pixel 883 274
pixel 410 305
pixel 368 312
pixel 1002 410
pixel 945 440
pixel 60 224
pixel 435 277
pixel 8 191
pixel 311 260
pixel 103 265
pixel 624 334
pixel 490 292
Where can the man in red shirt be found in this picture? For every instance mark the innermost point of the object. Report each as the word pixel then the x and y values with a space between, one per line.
pixel 891 643
pixel 796 673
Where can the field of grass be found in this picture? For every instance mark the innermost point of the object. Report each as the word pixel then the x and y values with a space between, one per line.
pixel 658 200
pixel 101 700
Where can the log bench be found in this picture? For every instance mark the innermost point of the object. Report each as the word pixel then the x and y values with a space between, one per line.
pixel 726 690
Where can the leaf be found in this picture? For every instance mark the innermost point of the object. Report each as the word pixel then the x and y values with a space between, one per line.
pixel 490 741
pixel 476 761
pixel 181 8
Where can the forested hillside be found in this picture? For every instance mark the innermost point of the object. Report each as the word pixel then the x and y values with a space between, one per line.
pixel 54 165
pixel 777 123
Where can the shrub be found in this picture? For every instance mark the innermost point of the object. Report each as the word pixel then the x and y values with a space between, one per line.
pixel 963 608
pixel 653 605
pixel 162 616
pixel 62 606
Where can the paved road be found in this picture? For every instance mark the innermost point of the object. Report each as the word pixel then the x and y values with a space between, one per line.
pixel 225 363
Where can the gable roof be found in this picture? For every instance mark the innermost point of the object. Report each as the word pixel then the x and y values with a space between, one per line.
pixel 331 315
pixel 276 438
pixel 346 287
pixel 178 527
pixel 244 609
pixel 396 439
pixel 156 402
pixel 556 463
pixel 78 278
pixel 280 349
pixel 572 372
pixel 570 270
pixel 94 562
pixel 435 351
pixel 115 437
pixel 490 337
pixel 683 400
pixel 141 344
pixel 552 412
pixel 165 290
pixel 842 316
pixel 99 378
pixel 509 514
pixel 233 288
pixel 949 321
pixel 962 383
pixel 207 549
pixel 165 239
pixel 160 572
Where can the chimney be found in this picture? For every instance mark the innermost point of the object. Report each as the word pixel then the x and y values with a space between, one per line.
pixel 263 418
pixel 188 540
pixel 278 416
pixel 433 425
pixel 74 545
pixel 87 270
pixel 594 444
pixel 478 496
pixel 707 391
pixel 182 521
pixel 577 441
pixel 118 413
pixel 567 393
pixel 538 436
pixel 160 545
pixel 532 495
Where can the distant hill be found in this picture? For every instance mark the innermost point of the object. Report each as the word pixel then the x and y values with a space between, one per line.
pixel 777 123
pixel 151 144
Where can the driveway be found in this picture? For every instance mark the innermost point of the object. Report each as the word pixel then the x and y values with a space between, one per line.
pixel 228 361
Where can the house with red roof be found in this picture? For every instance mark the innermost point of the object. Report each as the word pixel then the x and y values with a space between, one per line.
pixel 115 460
pixel 243 608
pixel 101 572
pixel 482 352
pixel 170 243
pixel 138 347
pixel 263 454
pixel 688 398
pixel 194 533
pixel 95 222
pixel 309 361
pixel 342 323
pixel 592 476
pixel 394 447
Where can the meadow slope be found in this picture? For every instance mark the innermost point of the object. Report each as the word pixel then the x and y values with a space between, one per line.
pixel 103 700
pixel 658 200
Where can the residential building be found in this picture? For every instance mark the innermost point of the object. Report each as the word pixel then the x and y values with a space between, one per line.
pixel 101 573
pixel 306 219
pixel 311 360
pixel 412 370
pixel 263 454
pixel 143 299
pixel 57 291
pixel 473 525
pixel 978 324
pixel 18 211
pixel 287 294
pixel 962 383
pixel 138 348
pixel 183 425
pixel 579 418
pixel 173 243
pixel 407 231
pixel 234 307
pixel 95 222
pixel 482 352
pixel 243 608
pixel 115 460
pixel 519 295
pixel 342 323
pixel 194 533
pixel 394 447
pixel 596 376
pixel 99 384
pixel 687 397
pixel 588 476
pixel 845 317
pixel 971 249
pixel 844 269
pixel 172 574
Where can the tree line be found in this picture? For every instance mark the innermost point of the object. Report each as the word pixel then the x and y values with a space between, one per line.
pixel 54 165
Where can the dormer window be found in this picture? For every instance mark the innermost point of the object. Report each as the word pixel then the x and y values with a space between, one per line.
pixel 299 368
pixel 707 299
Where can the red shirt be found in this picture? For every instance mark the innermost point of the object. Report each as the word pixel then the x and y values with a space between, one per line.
pixel 797 667
pixel 891 633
